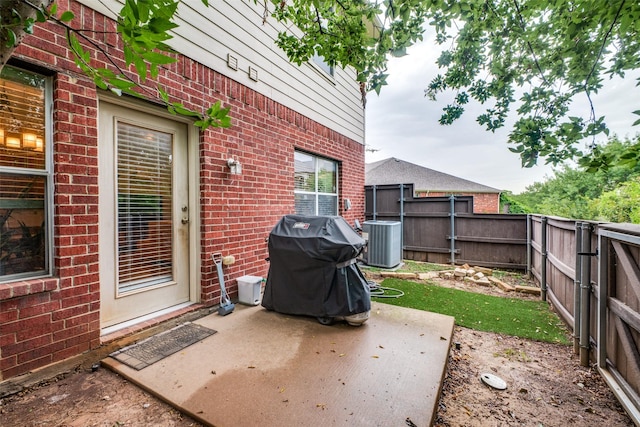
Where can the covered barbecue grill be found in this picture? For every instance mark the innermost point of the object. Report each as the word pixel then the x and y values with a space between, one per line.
pixel 313 270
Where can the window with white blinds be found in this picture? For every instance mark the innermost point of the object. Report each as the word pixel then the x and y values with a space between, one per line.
pixel 316 185
pixel 144 207
pixel 24 175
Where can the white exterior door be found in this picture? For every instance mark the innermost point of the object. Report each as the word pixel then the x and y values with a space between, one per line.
pixel 144 213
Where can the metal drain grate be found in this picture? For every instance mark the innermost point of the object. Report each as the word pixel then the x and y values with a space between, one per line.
pixel 149 351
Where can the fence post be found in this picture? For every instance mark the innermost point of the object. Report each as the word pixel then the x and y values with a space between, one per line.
pixel 543 266
pixel 585 294
pixel 375 200
pixel 603 291
pixel 529 243
pixel 452 215
pixel 401 221
pixel 576 290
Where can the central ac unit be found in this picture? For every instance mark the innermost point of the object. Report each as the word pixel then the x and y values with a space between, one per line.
pixel 384 243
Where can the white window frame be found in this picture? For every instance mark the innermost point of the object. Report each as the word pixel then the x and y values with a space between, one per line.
pixel 47 173
pixel 317 193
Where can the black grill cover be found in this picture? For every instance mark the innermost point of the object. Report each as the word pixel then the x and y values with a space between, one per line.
pixel 312 268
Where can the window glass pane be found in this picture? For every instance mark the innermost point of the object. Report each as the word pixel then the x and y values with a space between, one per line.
pixel 22 224
pixel 320 62
pixel 305 172
pixel 327 205
pixel 24 244
pixel 327 176
pixel 144 207
pixel 22 119
pixel 316 185
pixel 305 204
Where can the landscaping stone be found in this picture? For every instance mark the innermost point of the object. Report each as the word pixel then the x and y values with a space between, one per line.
pixel 460 272
pixel 483 282
pixel 428 275
pixel 528 289
pixel 499 283
pixel 484 270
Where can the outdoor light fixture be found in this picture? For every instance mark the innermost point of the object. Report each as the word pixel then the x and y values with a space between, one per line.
pixel 235 166
pixel 1 136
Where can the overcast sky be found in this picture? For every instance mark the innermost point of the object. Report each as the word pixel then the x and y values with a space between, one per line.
pixel 402 123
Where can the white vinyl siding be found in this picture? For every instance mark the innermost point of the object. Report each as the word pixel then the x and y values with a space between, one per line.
pixel 236 28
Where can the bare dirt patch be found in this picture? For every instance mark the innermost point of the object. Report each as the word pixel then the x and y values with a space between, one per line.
pixel 88 398
pixel 546 386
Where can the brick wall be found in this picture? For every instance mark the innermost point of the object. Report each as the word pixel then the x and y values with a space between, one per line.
pixel 44 321
pixel 482 202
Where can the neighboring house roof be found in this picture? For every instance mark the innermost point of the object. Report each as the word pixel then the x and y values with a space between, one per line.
pixel 396 171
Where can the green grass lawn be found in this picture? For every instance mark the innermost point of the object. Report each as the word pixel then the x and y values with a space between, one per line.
pixel 510 316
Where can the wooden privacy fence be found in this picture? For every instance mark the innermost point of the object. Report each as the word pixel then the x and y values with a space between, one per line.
pixel 588 271
pixel 445 229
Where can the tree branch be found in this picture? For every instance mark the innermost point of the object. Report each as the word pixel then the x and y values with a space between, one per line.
pixel 524 28
pixel 8 11
pixel 597 60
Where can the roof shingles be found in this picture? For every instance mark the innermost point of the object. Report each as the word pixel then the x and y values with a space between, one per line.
pixel 396 171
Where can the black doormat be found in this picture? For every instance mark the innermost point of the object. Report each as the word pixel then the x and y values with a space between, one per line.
pixel 149 351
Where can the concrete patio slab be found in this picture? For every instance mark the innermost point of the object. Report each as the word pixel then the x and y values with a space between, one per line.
pixel 266 368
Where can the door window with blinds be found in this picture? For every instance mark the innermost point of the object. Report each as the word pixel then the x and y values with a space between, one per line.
pixel 316 185
pixel 144 189
pixel 25 175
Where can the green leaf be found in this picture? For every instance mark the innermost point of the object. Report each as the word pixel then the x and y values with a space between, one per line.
pixel 158 58
pixel 183 111
pixel 121 83
pixel 41 15
pixel 140 66
pixel 161 25
pixel 100 83
pixel 11 37
pixel 163 94
pixel 132 7
pixel 67 16
pixel 28 25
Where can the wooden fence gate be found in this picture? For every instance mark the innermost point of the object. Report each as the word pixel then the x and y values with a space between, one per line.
pixel 618 313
